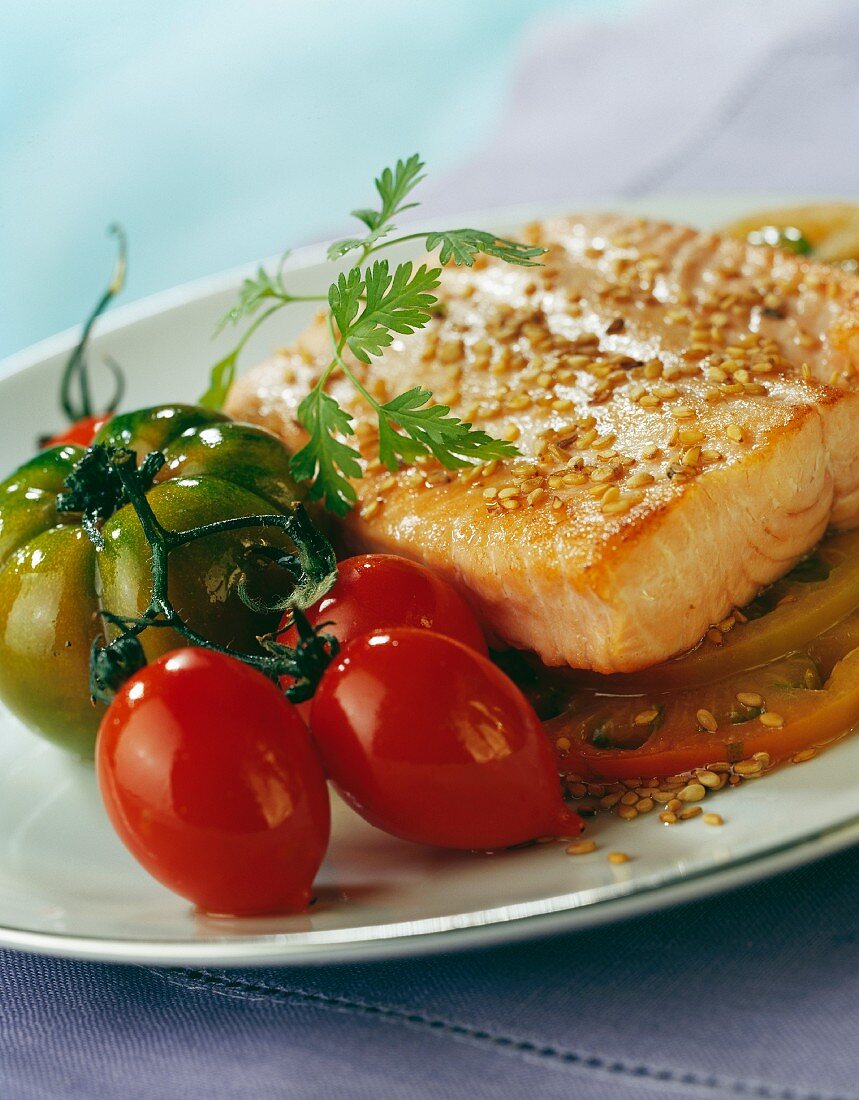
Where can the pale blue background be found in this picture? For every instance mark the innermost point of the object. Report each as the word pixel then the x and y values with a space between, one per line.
pixel 218 132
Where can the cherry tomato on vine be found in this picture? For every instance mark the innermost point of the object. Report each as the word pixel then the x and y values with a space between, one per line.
pixel 211 780
pixel 82 432
pixel 428 740
pixel 383 591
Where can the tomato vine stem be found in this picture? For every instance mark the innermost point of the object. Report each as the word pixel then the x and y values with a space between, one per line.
pixel 313 568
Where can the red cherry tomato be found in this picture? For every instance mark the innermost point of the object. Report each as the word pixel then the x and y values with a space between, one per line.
pixel 82 432
pixel 213 783
pixel 383 591
pixel 428 740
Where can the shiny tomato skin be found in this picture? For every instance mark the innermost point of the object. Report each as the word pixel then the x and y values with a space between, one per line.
pixel 212 782
pixel 383 591
pixel 82 432
pixel 429 741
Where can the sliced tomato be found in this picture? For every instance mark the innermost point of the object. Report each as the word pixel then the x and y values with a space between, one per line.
pixel 779 709
pixel 821 591
pixel 830 647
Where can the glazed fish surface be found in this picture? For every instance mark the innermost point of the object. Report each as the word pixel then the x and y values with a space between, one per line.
pixel 687 411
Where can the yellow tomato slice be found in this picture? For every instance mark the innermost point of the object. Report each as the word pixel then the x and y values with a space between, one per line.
pixel 778 709
pixel 821 591
pixel 831 229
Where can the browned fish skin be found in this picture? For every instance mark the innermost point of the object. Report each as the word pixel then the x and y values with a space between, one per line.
pixel 687 408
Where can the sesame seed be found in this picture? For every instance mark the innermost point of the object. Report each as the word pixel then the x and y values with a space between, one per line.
pixel 771 720
pixel 668 818
pixel 645 717
pixel 581 847
pixel 682 412
pixel 639 479
pixel 450 351
pixel 627 813
pixel 801 757
pixel 686 815
pixel 750 699
pixel 735 432
pixel 508 493
pixel 713 819
pixel 618 857
pixel 707 721
pixel 693 792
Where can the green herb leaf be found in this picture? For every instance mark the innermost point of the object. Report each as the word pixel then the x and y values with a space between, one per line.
pixel 220 379
pixel 391 303
pixel 393 187
pixel 462 245
pixel 325 460
pixel 430 429
pixel 254 292
pixel 368 305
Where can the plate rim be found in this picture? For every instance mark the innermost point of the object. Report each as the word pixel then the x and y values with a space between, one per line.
pixel 475 927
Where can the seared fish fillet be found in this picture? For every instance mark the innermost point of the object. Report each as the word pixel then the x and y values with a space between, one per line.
pixel 687 409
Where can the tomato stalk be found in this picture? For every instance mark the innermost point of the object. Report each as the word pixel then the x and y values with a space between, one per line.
pixel 78 407
pixel 313 568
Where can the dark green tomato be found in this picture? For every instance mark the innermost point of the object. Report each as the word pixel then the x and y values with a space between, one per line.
pixel 53 582
pixel 204 575
pixel 146 430
pixel 48 619
pixel 210 450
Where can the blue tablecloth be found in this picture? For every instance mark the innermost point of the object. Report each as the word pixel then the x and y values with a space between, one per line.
pixel 751 994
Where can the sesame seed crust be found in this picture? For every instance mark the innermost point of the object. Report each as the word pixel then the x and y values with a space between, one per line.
pixel 659 405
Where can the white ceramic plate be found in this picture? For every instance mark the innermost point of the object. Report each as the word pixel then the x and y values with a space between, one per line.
pixel 68 887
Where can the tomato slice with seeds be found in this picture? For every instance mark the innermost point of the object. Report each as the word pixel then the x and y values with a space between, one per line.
pixel 780 708
pixel 830 647
pixel 817 594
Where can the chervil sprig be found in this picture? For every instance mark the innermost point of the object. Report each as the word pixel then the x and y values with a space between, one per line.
pixel 254 294
pixel 367 305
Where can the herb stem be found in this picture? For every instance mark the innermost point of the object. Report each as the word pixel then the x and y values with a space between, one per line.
pixel 339 345
pixel 379 245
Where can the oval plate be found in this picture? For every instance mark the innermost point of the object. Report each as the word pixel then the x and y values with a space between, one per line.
pixel 68 887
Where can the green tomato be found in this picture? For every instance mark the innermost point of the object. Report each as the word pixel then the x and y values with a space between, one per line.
pixel 54 583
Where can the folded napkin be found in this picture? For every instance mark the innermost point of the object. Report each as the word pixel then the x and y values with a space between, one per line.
pixel 754 994
pixel 683 97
